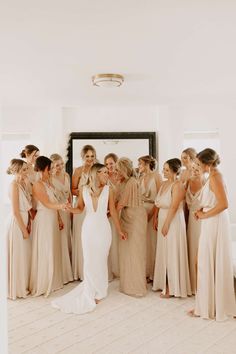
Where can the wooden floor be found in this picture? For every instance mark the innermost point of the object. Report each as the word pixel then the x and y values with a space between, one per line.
pixel 120 324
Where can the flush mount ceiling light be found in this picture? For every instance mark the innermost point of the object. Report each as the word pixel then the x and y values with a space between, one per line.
pixel 107 80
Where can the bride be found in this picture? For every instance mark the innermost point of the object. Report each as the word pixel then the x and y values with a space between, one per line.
pixel 96 197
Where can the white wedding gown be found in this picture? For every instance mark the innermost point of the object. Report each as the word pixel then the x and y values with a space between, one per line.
pixel 96 241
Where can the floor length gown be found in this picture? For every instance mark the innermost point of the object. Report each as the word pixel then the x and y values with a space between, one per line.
pixel 19 250
pixel 132 252
pixel 215 296
pixel 46 268
pixel 63 193
pixel 171 256
pixel 149 193
pixel 193 234
pixel 96 241
pixel 77 251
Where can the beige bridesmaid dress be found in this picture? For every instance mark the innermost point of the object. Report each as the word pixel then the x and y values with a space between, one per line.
pixel 19 250
pixel 215 296
pixel 63 194
pixel 171 256
pixel 77 251
pixel 193 234
pixel 46 270
pixel 132 252
pixel 149 193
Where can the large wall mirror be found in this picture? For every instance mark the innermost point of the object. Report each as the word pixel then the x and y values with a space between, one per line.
pixel 132 145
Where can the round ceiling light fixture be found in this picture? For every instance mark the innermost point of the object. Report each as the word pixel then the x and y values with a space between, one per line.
pixel 107 80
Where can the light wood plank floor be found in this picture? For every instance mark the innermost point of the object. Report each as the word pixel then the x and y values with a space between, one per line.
pixel 119 325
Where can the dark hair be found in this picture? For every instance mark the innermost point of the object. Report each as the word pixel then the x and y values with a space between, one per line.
pixel 86 148
pixel 174 165
pixel 191 152
pixel 41 163
pixel 150 160
pixel 28 150
pixel 15 166
pixel 112 156
pixel 209 157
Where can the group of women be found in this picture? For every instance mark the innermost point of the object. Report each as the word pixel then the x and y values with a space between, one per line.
pixel 126 224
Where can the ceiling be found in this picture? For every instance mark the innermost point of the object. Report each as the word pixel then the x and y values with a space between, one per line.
pixel 168 51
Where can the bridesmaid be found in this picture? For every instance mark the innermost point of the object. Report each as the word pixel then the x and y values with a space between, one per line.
pixel 46 269
pixel 18 233
pixel 133 217
pixel 171 273
pixel 187 159
pixel 215 296
pixel 79 179
pixel 194 187
pixel 113 259
pixel 61 181
pixel 150 182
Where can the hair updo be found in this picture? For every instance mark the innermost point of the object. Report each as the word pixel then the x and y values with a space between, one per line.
pixel 28 150
pixel 209 157
pixel 191 152
pixel 125 166
pixel 174 165
pixel 149 160
pixel 55 157
pixel 41 163
pixel 112 156
pixel 15 166
pixel 85 149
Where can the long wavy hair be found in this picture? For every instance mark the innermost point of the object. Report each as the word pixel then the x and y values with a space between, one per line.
pixel 92 182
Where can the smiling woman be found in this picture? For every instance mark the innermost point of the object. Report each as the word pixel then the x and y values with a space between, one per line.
pixel 130 144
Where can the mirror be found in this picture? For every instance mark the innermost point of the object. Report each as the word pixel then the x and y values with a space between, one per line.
pixel 132 145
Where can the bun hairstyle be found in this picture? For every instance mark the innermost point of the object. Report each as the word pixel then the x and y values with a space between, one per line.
pixel 112 156
pixel 125 167
pixel 85 149
pixel 41 163
pixel 191 152
pixel 15 166
pixel 149 160
pixel 28 150
pixel 92 177
pixel 209 157
pixel 174 165
pixel 55 157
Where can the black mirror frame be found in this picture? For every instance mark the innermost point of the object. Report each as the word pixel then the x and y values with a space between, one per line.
pixel 151 136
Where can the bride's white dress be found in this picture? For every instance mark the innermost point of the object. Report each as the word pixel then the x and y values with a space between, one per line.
pixel 96 241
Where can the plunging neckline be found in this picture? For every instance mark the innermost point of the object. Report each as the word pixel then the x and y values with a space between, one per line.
pixel 97 198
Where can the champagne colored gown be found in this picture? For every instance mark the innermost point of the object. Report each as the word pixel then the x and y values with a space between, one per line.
pixel 63 194
pixel 46 270
pixel 19 250
pixel 132 252
pixel 171 256
pixel 215 296
pixel 96 241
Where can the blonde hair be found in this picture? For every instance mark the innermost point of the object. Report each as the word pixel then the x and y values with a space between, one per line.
pixel 55 157
pixel 15 166
pixel 149 160
pixel 85 149
pixel 125 166
pixel 191 152
pixel 92 178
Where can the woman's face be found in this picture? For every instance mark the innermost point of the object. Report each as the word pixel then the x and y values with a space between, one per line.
pixel 102 176
pixel 24 171
pixel 33 156
pixel 89 158
pixel 142 166
pixel 185 159
pixel 196 170
pixel 202 166
pixel 110 164
pixel 58 166
pixel 167 172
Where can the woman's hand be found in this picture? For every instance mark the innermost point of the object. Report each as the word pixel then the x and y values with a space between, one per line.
pixel 32 213
pixel 26 234
pixel 200 214
pixel 155 224
pixel 123 235
pixel 165 230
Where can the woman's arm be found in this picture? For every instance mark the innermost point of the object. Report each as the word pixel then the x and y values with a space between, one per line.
pixel 75 181
pixel 218 188
pixel 178 193
pixel 39 193
pixel 155 217
pixel 80 204
pixel 114 215
pixel 16 210
pixel 158 181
